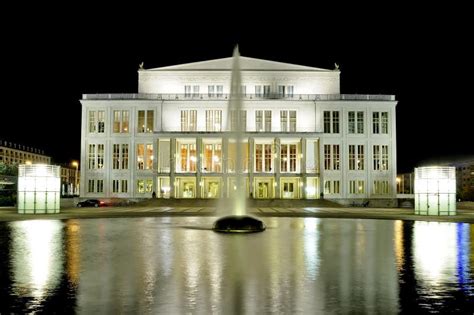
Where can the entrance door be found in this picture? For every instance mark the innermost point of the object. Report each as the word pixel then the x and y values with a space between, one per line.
pixel 289 188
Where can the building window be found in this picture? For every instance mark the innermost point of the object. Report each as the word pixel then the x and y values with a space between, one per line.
pixel 91 157
pixel 384 122
pixel 234 120
pixel 144 156
pixel 100 185
pixel 211 91
pixel 285 90
pixel 266 91
pixel 220 90
pixel 97 121
pixel 354 127
pixel 212 158
pixel 188 120
pixel 381 187
pixel 187 91
pixel 195 90
pixel 121 121
pixel 115 186
pixel 120 157
pixel 124 185
pixel 288 120
pixel 125 156
pixel 380 157
pixel 331 121
pixel 90 186
pixel 243 90
pixel 187 157
pixel 263 120
pixel 288 155
pixel 356 187
pixel 331 157
pixel 96 157
pixel 331 187
pixel 356 157
pixel 213 120
pixel 380 122
pixel 100 155
pixel 263 157
pixel 116 157
pixel 144 186
pixel 145 121
pixel 360 122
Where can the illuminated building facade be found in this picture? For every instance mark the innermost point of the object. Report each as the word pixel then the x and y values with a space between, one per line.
pixel 13 153
pixel 303 140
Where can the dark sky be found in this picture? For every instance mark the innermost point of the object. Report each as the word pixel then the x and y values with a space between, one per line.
pixel 421 55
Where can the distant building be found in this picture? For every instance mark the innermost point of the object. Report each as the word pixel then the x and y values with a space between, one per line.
pixel 13 153
pixel 69 181
pixel 464 178
pixel 405 183
pixel 303 139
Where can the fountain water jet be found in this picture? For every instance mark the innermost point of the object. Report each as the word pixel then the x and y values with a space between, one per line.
pixel 239 221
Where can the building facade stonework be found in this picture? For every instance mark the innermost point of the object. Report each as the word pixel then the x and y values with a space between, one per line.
pixel 303 139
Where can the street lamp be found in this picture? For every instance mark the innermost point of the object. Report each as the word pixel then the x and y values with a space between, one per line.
pixel 76 190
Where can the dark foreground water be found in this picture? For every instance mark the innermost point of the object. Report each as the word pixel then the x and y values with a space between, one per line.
pixel 177 266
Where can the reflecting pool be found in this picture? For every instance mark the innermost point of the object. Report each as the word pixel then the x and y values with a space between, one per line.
pixel 175 265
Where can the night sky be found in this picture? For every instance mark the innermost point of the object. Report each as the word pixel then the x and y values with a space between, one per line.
pixel 419 54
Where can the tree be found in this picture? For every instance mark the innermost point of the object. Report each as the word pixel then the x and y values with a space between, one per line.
pixel 8 169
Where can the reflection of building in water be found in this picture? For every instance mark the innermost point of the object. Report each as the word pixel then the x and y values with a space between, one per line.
pixel 37 258
pixel 298 264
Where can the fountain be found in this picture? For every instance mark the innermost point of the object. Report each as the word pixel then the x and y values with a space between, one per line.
pixel 238 221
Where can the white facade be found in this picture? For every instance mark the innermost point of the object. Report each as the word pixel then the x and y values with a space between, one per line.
pixel 303 137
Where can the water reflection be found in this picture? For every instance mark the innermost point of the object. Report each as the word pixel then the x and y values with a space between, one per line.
pixel 36 259
pixel 299 265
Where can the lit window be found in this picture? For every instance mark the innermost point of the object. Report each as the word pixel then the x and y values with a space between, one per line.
pixel 145 121
pixel 213 120
pixel 188 120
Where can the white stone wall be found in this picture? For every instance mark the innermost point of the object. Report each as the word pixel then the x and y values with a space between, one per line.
pixel 173 82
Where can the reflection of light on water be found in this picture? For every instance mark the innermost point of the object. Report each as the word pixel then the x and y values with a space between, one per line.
pixel 36 257
pixel 73 250
pixel 463 253
pixel 434 250
pixel 398 243
pixel 311 240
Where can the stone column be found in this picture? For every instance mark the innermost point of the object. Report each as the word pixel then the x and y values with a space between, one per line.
pixel 277 167
pixel 172 167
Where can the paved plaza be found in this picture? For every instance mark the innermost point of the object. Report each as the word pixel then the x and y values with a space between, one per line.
pixel 463 215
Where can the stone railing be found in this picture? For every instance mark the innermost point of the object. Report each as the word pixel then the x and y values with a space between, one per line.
pixel 296 97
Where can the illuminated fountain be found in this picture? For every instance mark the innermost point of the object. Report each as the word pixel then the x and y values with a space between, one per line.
pixel 238 221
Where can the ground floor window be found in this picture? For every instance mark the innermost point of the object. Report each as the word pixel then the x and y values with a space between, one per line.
pixel 332 187
pixel 144 186
pixel 211 187
pixel 381 187
pixel 264 188
pixel 312 188
pixel 185 187
pixel 356 187
pixel 164 187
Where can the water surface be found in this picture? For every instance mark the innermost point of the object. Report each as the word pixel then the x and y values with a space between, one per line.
pixel 176 265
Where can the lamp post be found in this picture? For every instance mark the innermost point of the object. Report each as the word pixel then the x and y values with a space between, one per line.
pixel 76 190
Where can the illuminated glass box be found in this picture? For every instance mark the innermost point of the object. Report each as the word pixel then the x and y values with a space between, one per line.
pixel 435 190
pixel 39 188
